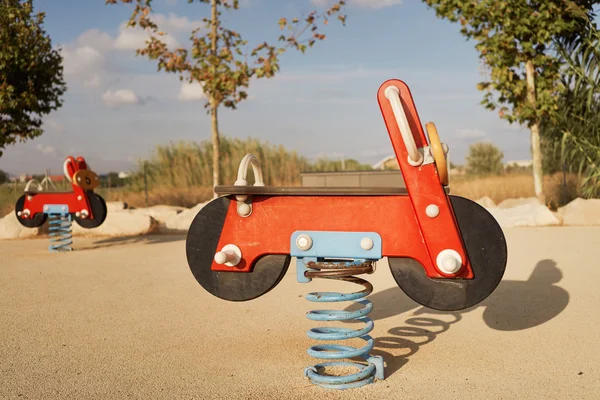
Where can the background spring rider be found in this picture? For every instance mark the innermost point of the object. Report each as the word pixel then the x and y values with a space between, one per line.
pixel 445 252
pixel 62 207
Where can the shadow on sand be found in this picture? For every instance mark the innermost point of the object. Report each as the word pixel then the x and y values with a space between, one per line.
pixel 513 306
pixel 141 239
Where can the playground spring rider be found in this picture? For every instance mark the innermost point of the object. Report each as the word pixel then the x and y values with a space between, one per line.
pixel 444 251
pixel 62 207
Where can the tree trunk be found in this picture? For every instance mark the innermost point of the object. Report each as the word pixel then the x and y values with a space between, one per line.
pixel 213 103
pixel 215 143
pixel 534 127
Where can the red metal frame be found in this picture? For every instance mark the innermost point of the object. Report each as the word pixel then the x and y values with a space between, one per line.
pixel 77 200
pixel 401 221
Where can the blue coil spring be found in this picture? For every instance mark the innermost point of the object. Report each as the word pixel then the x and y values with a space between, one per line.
pixel 366 372
pixel 59 226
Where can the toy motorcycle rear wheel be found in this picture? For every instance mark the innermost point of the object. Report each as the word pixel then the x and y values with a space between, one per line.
pixel 98 206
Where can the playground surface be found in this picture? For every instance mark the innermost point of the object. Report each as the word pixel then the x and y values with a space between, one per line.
pixel 124 318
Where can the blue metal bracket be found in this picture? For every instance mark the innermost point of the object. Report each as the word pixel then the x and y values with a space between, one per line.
pixel 314 246
pixel 59 209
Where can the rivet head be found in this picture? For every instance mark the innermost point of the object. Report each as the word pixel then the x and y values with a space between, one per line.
pixel 304 242
pixel 366 243
pixel 449 261
pixel 432 211
pixel 244 210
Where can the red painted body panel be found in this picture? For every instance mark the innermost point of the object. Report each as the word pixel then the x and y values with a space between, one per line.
pixel 401 221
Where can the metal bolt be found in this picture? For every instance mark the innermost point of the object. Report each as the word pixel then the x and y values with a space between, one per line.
pixel 79 197
pixel 304 242
pixel 29 198
pixel 432 211
pixel 19 213
pixel 366 243
pixel 244 210
pixel 449 261
pixel 230 255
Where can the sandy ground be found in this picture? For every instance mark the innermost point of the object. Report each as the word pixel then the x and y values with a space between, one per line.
pixel 124 318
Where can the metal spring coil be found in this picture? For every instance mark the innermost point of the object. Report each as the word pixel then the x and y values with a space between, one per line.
pixel 59 226
pixel 366 374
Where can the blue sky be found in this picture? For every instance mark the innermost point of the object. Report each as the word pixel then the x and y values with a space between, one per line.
pixel 323 103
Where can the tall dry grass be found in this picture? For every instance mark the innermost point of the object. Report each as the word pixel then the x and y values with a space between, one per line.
pixel 517 185
pixel 181 174
pixel 189 164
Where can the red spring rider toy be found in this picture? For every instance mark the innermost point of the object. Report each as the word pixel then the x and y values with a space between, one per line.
pixel 445 252
pixel 81 204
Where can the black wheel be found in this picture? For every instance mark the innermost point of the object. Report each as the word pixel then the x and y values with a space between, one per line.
pixel 35 222
pixel 98 206
pixel 486 248
pixel 201 245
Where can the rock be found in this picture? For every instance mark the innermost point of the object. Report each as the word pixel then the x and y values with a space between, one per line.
pixel 182 221
pixel 116 206
pixel 10 228
pixel 510 203
pixel 120 223
pixel 486 202
pixel 160 213
pixel 581 212
pixel 524 215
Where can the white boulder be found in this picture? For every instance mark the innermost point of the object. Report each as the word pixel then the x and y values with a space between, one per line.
pixel 486 202
pixel 182 221
pixel 10 228
pixel 160 213
pixel 524 215
pixel 581 212
pixel 120 223
pixel 112 206
pixel 510 203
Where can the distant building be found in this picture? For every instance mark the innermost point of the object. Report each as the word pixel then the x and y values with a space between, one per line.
pixel 518 163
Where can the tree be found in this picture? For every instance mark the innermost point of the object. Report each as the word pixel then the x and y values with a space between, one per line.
pixel 3 177
pixel 31 74
pixel 217 61
pixel 573 138
pixel 514 39
pixel 484 159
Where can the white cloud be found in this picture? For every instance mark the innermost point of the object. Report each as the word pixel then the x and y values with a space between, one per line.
pixel 119 97
pixel 375 3
pixel 45 149
pixel 135 38
pixel 470 134
pixel 191 92
pixel 54 125
pixel 86 58
pixel 361 3
pixel 173 23
pixel 132 38
pixel 96 39
pixel 83 64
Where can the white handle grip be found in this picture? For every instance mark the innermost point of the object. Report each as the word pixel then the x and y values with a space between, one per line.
pixel 248 160
pixel 415 158
pixel 66 171
pixel 39 186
